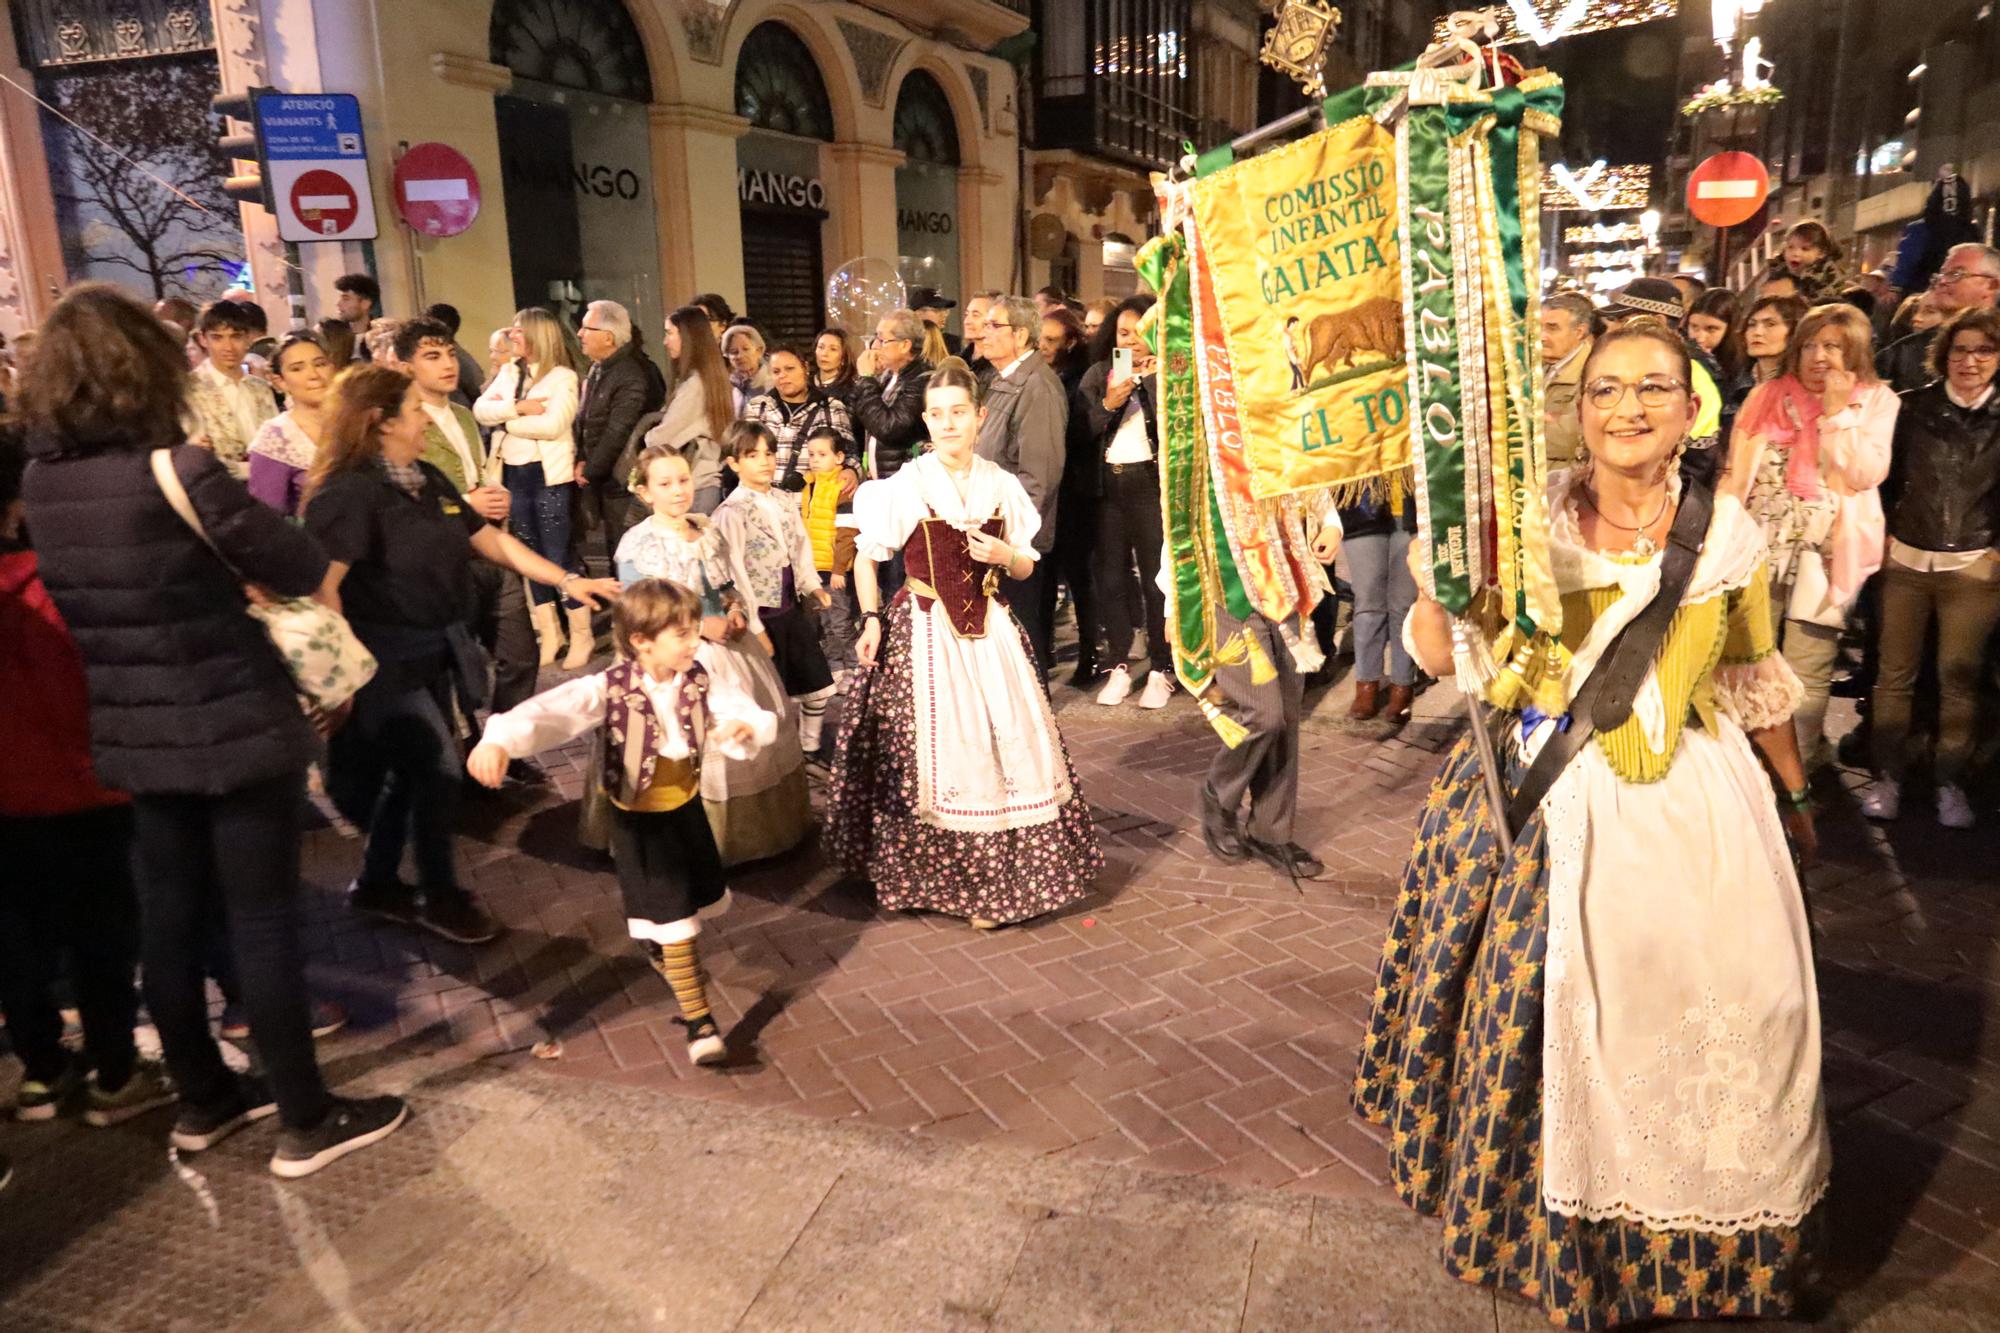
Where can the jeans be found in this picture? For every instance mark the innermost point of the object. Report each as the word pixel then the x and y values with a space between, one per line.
pixel 1966 606
pixel 540 518
pixel 395 772
pixel 617 511
pixel 1264 765
pixel 1811 651
pixel 1128 530
pixel 242 849
pixel 1384 592
pixel 1074 560
pixel 66 887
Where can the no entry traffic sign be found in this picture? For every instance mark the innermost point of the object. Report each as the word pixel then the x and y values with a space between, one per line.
pixel 324 202
pixel 1728 188
pixel 317 165
pixel 437 191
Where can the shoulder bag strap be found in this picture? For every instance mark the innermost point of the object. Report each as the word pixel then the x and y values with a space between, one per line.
pixel 1605 700
pixel 170 486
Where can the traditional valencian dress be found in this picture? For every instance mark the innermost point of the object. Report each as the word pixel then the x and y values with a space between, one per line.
pixel 757 806
pixel 951 788
pixel 1599 1062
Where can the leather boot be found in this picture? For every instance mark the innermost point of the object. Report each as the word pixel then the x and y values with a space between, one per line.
pixel 1400 699
pixel 548 631
pixel 581 642
pixel 1367 700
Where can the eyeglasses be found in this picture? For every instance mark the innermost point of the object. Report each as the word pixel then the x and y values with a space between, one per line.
pixel 1957 274
pixel 1986 353
pixel 1606 394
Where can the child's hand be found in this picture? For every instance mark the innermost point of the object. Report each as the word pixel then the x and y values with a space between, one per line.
pixel 731 733
pixel 822 598
pixel 868 642
pixel 487 764
pixel 716 628
pixel 738 622
pixel 1326 544
pixel 839 581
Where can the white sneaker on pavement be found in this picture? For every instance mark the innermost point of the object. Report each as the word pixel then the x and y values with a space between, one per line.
pixel 1159 689
pixel 1884 800
pixel 1117 687
pixel 1953 809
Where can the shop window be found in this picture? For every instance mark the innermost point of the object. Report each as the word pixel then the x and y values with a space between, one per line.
pixel 778 84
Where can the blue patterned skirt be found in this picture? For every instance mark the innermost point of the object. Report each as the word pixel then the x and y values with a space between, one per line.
pixel 1452 1067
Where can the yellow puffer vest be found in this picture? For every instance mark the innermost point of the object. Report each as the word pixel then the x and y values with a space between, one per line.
pixel 818 503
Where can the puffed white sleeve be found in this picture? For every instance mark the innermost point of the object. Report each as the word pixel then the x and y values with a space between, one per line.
pixel 554 717
pixel 883 519
pixel 728 703
pixel 1019 519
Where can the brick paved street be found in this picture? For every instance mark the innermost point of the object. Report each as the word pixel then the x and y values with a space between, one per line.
pixel 1192 1019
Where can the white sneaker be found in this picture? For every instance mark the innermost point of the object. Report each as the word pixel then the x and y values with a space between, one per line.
pixel 1953 810
pixel 1117 687
pixel 1159 689
pixel 1884 800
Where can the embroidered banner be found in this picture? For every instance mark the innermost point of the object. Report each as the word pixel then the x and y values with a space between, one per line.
pixel 1308 292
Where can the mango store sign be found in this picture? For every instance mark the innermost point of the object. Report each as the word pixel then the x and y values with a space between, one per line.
pixel 778 189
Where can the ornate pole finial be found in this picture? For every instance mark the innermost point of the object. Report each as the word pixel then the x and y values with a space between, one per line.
pixel 1297 44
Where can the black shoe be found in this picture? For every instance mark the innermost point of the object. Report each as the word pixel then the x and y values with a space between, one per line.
pixel 1218 829
pixel 1085 675
pixel 199 1128
pixel 457 916
pixel 1287 857
pixel 347 1126
pixel 391 901
pixel 526 772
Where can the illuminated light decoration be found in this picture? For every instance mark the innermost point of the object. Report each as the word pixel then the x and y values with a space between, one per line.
pixel 1546 21
pixel 1598 188
pixel 1723 94
pixel 1603 233
pixel 1611 279
pixel 1162 52
pixel 1297 44
pixel 1609 259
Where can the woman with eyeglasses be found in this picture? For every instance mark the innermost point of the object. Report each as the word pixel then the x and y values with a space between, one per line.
pixel 1943 564
pixel 1598 1058
pixel 1825 426
pixel 281 453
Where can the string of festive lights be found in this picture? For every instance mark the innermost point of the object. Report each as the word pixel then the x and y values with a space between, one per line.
pixel 1604 233
pixel 1597 188
pixel 1546 21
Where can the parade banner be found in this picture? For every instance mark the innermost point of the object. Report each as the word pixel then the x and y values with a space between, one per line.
pixel 1307 284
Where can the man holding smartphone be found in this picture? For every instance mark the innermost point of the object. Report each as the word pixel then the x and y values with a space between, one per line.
pixel 1117 396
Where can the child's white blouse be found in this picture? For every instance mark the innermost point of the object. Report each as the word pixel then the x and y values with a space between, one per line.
pixel 558 716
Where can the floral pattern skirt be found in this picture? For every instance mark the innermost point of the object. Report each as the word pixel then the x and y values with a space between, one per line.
pixel 873 830
pixel 1452 1067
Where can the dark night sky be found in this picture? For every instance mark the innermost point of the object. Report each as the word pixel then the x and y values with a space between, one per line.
pixel 1620 87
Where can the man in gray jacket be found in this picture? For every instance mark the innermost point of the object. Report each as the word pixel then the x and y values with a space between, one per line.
pixel 1026 416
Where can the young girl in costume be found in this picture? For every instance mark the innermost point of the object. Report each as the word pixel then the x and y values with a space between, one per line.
pixel 772 559
pixel 658 708
pixel 951 788
pixel 758 806
pixel 827 505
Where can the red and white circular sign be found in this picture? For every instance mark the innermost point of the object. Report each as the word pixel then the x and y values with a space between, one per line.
pixel 1728 188
pixel 437 191
pixel 324 201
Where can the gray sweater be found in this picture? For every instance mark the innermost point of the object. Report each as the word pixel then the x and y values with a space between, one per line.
pixel 1027 414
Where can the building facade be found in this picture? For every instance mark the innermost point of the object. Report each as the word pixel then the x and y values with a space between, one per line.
pixel 634 150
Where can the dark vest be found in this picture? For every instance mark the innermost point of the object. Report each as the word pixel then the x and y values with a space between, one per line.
pixel 633 732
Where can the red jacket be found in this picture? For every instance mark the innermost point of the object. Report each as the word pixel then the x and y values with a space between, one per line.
pixel 45 764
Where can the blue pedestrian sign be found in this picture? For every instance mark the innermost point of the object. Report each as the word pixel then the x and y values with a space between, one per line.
pixel 317 165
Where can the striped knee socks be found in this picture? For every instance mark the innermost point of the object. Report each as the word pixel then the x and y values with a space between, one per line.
pixel 680 964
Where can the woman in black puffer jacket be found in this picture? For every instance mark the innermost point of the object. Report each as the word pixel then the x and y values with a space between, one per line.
pixel 191 709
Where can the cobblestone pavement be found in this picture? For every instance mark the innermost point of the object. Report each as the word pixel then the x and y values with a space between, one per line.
pixel 1192 1019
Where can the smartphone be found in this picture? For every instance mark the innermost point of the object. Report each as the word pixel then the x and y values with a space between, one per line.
pixel 1121 364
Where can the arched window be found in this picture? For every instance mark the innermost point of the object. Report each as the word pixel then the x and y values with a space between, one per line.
pixel 925 131
pixel 778 85
pixel 591 45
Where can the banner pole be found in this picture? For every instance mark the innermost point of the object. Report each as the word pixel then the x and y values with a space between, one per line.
pixel 1496 792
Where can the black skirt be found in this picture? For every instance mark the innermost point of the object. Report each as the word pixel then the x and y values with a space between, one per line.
pixel 668 866
pixel 795 650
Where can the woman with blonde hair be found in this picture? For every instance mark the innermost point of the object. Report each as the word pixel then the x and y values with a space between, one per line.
pixel 699 413
pixel 531 407
pixel 743 350
pixel 1823 427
